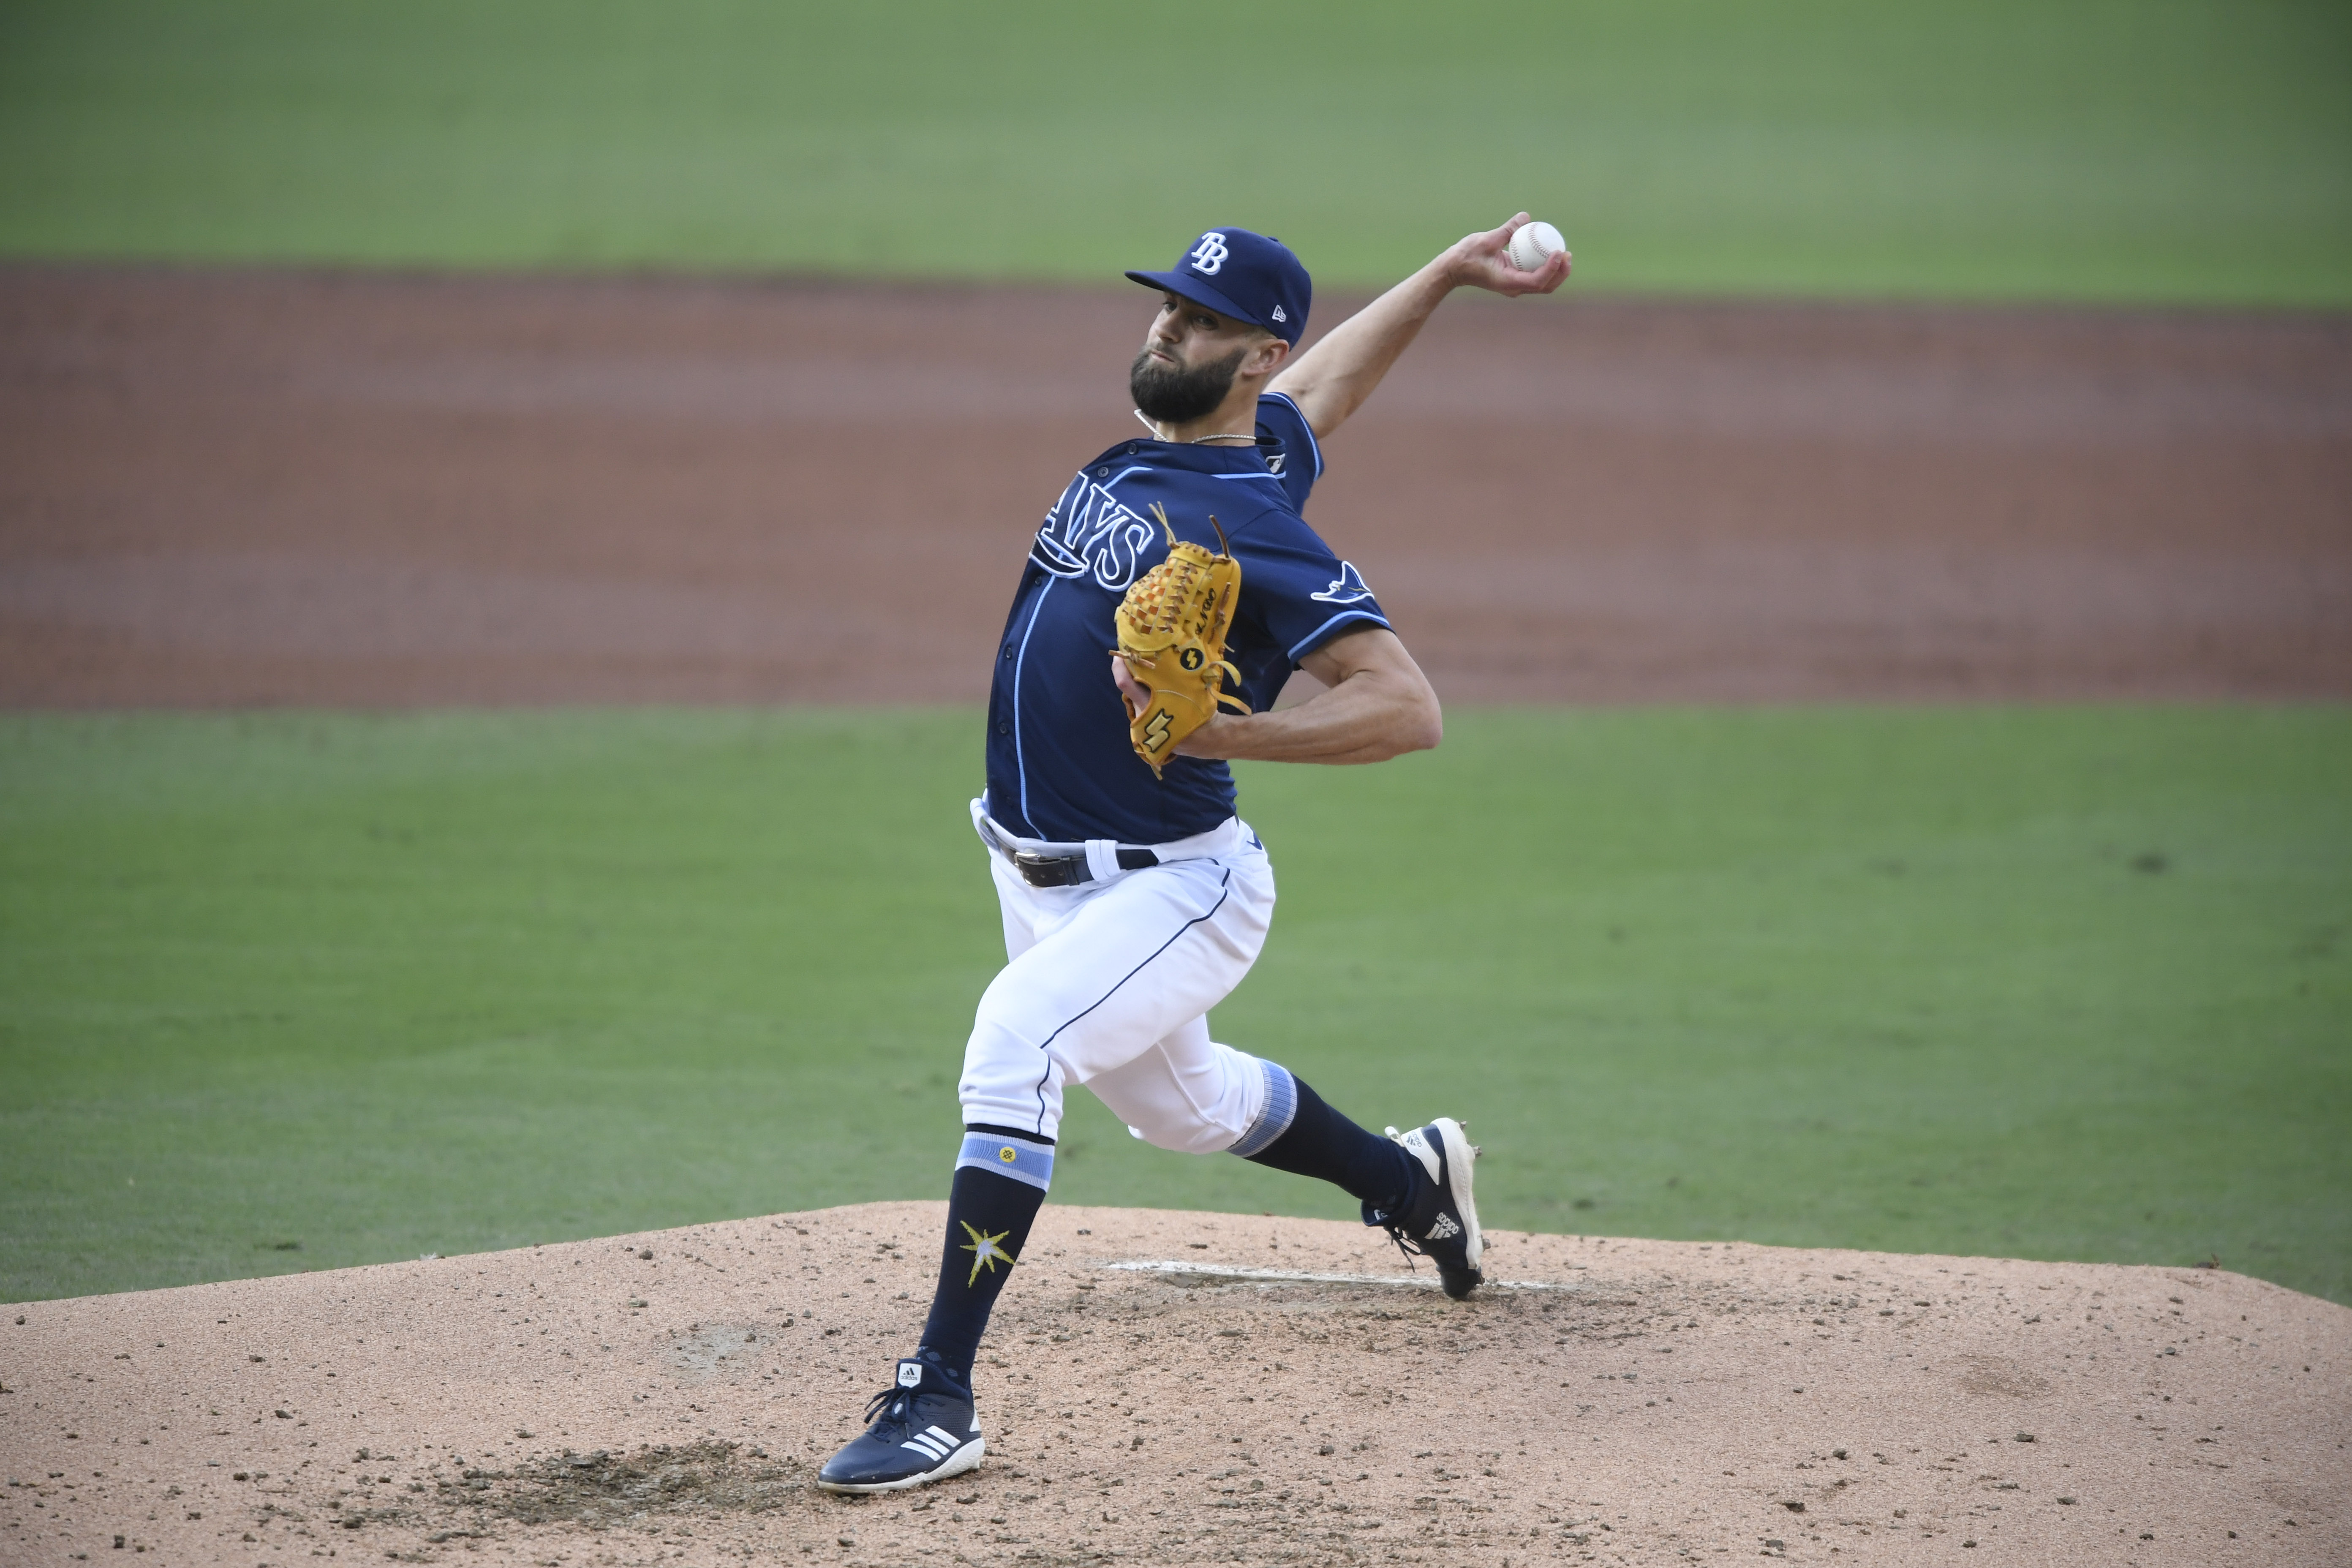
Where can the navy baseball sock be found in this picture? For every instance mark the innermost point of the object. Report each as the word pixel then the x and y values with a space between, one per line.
pixel 1000 1184
pixel 1319 1141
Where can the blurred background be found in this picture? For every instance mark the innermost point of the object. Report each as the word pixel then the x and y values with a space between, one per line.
pixel 505 509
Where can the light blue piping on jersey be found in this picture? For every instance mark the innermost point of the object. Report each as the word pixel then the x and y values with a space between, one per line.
pixel 1146 468
pixel 1020 763
pixel 1312 444
pixel 1309 640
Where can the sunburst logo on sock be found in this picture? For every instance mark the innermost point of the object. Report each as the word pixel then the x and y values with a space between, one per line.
pixel 985 1252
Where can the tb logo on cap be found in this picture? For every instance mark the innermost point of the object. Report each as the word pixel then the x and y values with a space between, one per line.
pixel 1209 254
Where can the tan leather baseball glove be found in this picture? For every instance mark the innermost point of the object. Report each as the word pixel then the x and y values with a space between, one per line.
pixel 1172 634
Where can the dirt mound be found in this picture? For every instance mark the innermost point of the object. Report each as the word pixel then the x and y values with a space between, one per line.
pixel 1188 1388
pixel 266 488
pixel 600 1490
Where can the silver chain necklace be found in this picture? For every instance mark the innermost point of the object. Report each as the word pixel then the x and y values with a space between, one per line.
pixel 1220 436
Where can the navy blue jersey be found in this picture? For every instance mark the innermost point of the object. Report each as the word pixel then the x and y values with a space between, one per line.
pixel 1060 767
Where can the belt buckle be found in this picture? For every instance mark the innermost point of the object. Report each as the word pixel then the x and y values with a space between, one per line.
pixel 1047 870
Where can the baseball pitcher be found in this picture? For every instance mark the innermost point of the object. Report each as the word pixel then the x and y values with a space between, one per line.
pixel 1166 597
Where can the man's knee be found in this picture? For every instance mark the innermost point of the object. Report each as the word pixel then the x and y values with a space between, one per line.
pixel 1009 1079
pixel 1191 1136
pixel 1200 1106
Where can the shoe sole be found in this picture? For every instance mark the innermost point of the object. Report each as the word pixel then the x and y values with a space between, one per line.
pixel 1459 1158
pixel 964 1458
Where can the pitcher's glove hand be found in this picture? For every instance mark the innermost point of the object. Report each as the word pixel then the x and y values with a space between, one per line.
pixel 1171 637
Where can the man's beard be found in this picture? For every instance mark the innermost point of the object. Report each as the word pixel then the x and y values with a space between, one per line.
pixel 1173 396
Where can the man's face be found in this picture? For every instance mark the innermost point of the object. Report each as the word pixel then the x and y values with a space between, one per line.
pixel 1190 359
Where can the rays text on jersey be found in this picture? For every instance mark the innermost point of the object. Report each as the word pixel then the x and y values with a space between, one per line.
pixel 1090 533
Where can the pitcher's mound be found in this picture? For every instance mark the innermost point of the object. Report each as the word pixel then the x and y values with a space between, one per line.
pixel 1188 1388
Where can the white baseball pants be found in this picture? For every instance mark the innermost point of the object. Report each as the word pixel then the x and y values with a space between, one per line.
pixel 1110 984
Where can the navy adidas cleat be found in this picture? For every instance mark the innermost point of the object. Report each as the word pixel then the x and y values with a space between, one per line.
pixel 923 1430
pixel 1442 1224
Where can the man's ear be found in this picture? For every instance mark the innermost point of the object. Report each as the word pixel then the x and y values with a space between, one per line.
pixel 1266 358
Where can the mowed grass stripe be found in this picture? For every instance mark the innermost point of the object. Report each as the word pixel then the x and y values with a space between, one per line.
pixel 2183 151
pixel 295 990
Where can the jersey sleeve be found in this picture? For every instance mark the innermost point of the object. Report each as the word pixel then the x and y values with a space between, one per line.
pixel 1302 458
pixel 1296 594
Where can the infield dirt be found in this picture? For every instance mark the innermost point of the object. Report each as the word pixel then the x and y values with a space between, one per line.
pixel 1608 1401
pixel 225 489
pixel 231 489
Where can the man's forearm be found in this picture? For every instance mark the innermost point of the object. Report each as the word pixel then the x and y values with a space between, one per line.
pixel 1332 379
pixel 1370 717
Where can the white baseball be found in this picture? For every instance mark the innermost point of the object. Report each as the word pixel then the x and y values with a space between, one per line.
pixel 1535 244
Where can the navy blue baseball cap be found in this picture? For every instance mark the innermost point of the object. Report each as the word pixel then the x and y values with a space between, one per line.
pixel 1251 278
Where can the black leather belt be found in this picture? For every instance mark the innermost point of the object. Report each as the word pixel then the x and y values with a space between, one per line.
pixel 1069 870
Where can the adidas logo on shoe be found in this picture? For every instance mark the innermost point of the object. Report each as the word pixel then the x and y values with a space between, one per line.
pixel 934 1443
pixel 1444 1229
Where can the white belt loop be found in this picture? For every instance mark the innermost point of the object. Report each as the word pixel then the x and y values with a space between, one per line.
pixel 1102 859
pixel 1102 854
pixel 991 833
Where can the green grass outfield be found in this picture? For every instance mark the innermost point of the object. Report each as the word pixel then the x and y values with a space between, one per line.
pixel 288 992
pixel 2196 151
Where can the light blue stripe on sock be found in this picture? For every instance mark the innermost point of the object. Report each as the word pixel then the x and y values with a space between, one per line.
pixel 1014 1157
pixel 1281 1105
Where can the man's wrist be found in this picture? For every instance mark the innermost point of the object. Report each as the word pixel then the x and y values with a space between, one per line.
pixel 1212 741
pixel 1453 267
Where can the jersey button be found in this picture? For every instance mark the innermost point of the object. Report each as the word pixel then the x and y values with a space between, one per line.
pixel 1003 728
pixel 1131 448
pixel 1103 472
pixel 1008 651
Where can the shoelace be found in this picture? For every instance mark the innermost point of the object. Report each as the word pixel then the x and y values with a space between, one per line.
pixel 1406 1246
pixel 875 1406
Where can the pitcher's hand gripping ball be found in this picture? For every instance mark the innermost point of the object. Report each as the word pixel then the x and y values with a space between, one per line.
pixel 1172 634
pixel 1534 243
